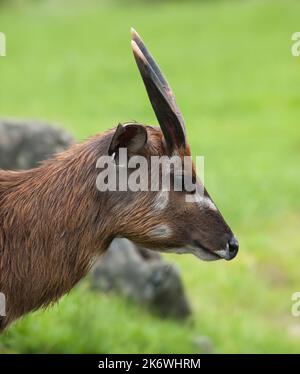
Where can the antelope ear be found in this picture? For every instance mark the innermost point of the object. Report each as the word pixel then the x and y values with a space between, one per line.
pixel 130 136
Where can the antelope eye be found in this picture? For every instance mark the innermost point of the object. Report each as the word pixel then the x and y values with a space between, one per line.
pixel 184 183
pixel 190 185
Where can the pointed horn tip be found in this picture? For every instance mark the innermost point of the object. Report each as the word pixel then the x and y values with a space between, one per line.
pixel 132 30
pixel 134 34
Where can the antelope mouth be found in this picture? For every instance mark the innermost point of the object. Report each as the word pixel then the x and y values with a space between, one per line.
pixel 196 249
pixel 200 251
pixel 205 254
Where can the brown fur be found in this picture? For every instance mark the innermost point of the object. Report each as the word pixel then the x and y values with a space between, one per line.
pixel 53 223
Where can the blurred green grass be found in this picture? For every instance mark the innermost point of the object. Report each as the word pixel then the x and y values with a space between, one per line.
pixel 230 65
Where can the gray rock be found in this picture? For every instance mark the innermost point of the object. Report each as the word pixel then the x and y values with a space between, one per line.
pixel 23 144
pixel 142 276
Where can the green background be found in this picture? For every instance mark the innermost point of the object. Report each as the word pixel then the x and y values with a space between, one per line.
pixel 237 83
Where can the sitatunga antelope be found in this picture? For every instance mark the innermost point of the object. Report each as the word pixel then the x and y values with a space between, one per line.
pixel 54 220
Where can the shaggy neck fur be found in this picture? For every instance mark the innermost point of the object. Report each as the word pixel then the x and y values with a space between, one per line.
pixel 51 228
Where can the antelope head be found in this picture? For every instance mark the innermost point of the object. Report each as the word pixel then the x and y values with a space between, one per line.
pixel 167 220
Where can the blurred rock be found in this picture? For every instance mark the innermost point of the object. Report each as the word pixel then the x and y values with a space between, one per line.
pixel 23 144
pixel 142 276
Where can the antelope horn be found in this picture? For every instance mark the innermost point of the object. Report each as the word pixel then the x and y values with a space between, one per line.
pixel 160 95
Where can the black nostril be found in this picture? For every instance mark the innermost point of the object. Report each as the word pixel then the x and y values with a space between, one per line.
pixel 233 246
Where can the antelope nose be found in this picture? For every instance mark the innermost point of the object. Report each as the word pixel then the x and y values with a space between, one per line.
pixel 233 247
pixel 230 251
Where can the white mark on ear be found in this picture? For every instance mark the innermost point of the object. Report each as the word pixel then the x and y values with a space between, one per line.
pixel 161 201
pixel 160 231
pixel 205 202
